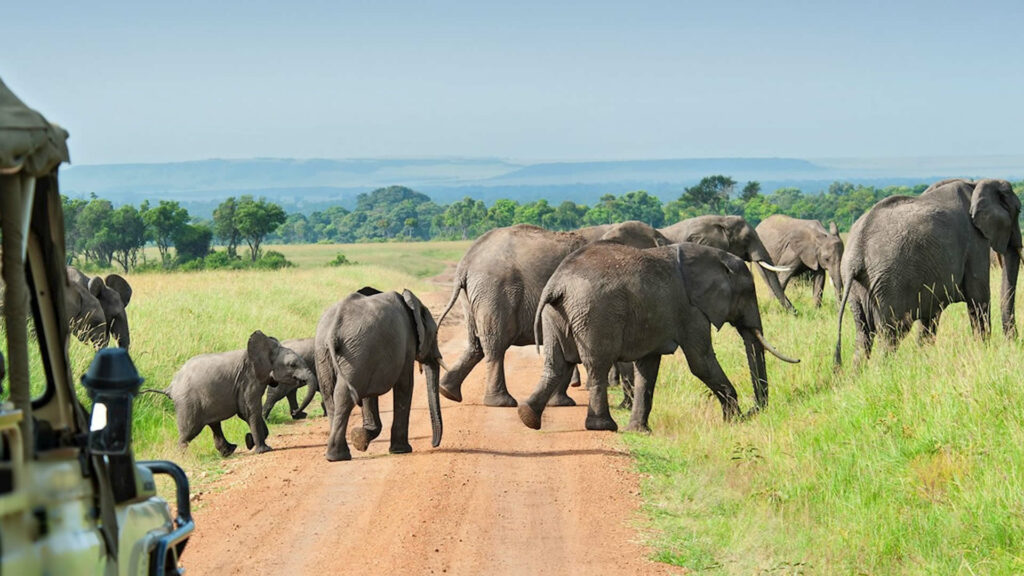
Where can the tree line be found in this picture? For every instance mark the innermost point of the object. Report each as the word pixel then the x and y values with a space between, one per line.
pixel 101 235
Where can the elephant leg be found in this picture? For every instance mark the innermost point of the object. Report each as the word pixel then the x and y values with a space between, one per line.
pixel 561 395
pixel 865 330
pixel 293 405
pixel 626 377
pixel 576 380
pixel 258 433
pixel 819 287
pixel 402 395
pixel 556 375
pixel 372 426
pixel 188 429
pixel 497 392
pixel 599 417
pixel 646 375
pixel 700 356
pixel 929 328
pixel 339 408
pixel 981 318
pixel 451 382
pixel 220 442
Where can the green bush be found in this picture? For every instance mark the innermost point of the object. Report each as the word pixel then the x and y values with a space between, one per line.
pixel 272 260
pixel 340 260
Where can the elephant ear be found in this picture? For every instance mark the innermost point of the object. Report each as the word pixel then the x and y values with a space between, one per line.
pixel 118 284
pixel 423 335
pixel 261 350
pixel 708 290
pixel 96 286
pixel 994 210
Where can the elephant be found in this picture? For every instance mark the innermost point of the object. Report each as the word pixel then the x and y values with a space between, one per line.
pixel 96 308
pixel 365 346
pixel 211 388
pixel 805 247
pixel 907 258
pixel 304 348
pixel 607 303
pixel 502 275
pixel 734 235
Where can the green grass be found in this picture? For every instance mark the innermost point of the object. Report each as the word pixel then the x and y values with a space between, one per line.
pixel 910 463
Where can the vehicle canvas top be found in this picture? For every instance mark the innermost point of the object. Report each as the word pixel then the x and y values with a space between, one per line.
pixel 28 142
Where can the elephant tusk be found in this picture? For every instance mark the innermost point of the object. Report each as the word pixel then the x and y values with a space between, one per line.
pixel 774 352
pixel 773 268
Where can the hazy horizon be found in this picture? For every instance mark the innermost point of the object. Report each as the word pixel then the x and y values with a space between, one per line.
pixel 530 82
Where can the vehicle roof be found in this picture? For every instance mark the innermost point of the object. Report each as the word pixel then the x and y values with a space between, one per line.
pixel 29 143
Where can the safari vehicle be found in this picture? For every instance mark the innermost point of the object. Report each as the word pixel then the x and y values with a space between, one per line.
pixel 73 500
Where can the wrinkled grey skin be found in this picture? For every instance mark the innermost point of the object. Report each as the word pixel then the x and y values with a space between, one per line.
pixel 96 308
pixel 805 247
pixel 366 346
pixel 909 257
pixel 304 348
pixel 211 388
pixel 502 275
pixel 734 235
pixel 609 303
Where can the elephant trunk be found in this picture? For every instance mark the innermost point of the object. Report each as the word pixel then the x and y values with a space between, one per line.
pixel 432 371
pixel 119 330
pixel 755 361
pixel 758 253
pixel 1008 293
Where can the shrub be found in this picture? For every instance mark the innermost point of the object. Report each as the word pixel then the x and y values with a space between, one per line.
pixel 340 260
pixel 272 260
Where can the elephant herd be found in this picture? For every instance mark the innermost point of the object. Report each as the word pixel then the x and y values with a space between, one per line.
pixel 603 297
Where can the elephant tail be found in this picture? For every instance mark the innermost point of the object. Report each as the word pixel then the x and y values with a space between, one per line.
pixel 549 296
pixel 460 285
pixel 155 391
pixel 837 359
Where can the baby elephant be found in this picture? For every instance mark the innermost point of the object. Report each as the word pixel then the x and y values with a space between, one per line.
pixel 366 345
pixel 211 388
pixel 304 348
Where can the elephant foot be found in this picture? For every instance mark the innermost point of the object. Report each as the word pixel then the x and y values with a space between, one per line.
pixel 453 394
pixel 338 455
pixel 359 438
pixel 639 428
pixel 249 442
pixel 529 417
pixel 601 423
pixel 560 399
pixel 262 449
pixel 503 400
pixel 400 448
pixel 575 383
pixel 227 449
pixel 299 415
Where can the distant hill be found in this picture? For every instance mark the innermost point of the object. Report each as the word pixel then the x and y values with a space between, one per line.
pixel 312 184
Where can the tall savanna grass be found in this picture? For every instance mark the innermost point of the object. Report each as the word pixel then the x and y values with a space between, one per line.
pixel 909 463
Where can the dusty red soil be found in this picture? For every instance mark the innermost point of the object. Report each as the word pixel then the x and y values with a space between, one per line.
pixel 494 498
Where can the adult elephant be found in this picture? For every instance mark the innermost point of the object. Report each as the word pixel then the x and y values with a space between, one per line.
pixel 96 308
pixel 805 248
pixel 365 346
pixel 502 275
pixel 734 235
pixel 907 258
pixel 609 303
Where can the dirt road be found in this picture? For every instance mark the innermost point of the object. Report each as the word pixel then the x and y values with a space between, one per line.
pixel 495 498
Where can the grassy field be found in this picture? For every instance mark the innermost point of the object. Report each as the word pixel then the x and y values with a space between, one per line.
pixel 911 463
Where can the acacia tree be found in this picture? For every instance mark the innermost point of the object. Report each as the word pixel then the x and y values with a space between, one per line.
pixel 255 219
pixel 127 232
pixel 711 192
pixel 163 222
pixel 224 226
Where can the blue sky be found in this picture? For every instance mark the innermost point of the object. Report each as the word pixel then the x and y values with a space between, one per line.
pixel 524 80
